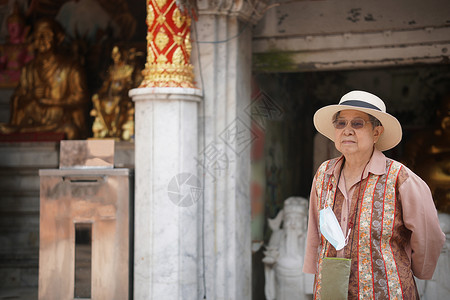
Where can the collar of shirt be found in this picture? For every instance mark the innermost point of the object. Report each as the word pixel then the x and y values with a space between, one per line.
pixel 376 165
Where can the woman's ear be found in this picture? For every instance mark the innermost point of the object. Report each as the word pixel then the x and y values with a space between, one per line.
pixel 377 131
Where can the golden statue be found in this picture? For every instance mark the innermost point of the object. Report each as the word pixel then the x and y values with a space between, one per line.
pixel 112 108
pixel 15 53
pixel 429 156
pixel 51 95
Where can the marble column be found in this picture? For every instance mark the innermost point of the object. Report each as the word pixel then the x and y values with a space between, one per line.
pixel 166 193
pixel 167 189
pixel 222 64
pixel 201 250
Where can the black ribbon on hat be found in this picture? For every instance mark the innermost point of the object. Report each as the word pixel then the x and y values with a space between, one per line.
pixel 359 103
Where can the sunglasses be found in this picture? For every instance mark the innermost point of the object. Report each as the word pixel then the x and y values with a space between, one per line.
pixel 357 123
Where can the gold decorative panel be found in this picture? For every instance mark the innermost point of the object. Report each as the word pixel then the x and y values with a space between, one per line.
pixel 168 46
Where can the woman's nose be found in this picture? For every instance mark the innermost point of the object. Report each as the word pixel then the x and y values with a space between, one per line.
pixel 348 130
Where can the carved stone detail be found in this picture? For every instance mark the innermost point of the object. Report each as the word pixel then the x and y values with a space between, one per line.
pixel 245 10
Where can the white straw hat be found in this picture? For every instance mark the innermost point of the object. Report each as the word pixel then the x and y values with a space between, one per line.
pixel 365 102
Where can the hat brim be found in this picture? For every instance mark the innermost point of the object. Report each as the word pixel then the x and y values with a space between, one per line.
pixel 391 136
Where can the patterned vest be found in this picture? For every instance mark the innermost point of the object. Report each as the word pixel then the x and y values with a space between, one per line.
pixel 379 264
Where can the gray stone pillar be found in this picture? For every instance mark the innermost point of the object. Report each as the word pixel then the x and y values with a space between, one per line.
pixel 166 193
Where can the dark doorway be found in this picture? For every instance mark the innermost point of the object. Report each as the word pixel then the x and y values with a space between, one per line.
pixel 415 95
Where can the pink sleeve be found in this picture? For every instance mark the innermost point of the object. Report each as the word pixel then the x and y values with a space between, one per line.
pixel 420 216
pixel 313 237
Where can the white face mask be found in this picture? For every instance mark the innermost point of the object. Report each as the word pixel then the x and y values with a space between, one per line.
pixel 330 228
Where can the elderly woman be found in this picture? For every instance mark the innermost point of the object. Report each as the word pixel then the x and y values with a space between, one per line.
pixel 372 221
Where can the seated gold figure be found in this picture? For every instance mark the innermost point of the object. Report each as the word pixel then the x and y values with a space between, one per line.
pixel 112 108
pixel 51 95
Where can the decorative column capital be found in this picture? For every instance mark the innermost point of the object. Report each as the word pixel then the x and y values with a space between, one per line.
pixel 245 10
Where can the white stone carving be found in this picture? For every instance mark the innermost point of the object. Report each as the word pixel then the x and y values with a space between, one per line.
pixel 283 259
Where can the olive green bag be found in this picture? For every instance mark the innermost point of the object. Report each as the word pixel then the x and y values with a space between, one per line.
pixel 335 278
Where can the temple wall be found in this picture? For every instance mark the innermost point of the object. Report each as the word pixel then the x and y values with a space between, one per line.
pixel 331 35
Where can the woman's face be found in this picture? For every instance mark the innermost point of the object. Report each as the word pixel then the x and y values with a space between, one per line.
pixel 350 141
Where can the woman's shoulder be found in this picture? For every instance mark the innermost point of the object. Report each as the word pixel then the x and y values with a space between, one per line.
pixel 406 174
pixel 328 164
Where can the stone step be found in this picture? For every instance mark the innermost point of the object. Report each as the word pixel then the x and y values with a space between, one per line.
pixel 29 155
pixel 19 293
pixel 19 234
pixel 25 203
pixel 19 269
pixel 15 276
pixel 20 181
pixel 20 258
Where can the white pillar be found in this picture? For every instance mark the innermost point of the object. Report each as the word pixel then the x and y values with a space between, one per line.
pixel 222 65
pixel 166 208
